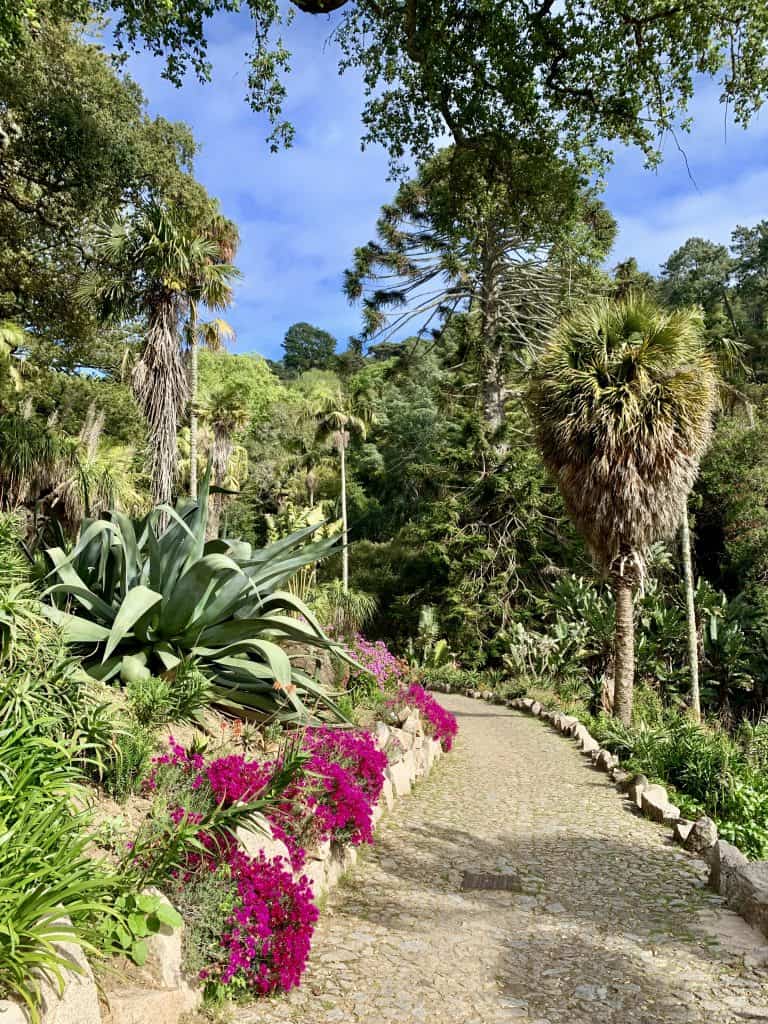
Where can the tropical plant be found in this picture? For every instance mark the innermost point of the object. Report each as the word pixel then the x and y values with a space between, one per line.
pixel 12 368
pixel 344 612
pixel 149 598
pixel 338 417
pixel 52 890
pixel 157 266
pixel 33 455
pixel 225 412
pixel 210 286
pixel 622 400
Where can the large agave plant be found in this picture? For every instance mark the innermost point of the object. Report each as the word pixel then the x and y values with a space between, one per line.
pixel 139 596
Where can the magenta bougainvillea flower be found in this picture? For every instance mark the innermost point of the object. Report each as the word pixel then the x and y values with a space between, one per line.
pixel 440 722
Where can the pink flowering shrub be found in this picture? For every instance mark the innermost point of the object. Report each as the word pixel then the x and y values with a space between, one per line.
pixel 250 920
pixel 378 661
pixel 440 723
pixel 265 943
pixel 335 797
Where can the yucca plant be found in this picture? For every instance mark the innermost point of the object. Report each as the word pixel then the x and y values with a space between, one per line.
pixel 147 598
pixel 622 399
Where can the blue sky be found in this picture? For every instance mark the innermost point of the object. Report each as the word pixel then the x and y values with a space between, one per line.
pixel 302 212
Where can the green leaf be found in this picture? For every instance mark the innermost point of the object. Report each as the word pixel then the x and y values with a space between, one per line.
pixel 137 922
pixel 169 916
pixel 136 604
pixel 75 629
pixel 139 952
pixel 147 902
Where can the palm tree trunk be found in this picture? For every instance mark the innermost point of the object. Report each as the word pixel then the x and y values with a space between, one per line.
pixel 344 548
pixel 690 606
pixel 624 649
pixel 161 387
pixel 222 450
pixel 193 384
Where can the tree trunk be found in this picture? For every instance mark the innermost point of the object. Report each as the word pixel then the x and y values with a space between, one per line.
pixel 608 690
pixel 161 388
pixel 193 383
pixel 220 455
pixel 690 606
pixel 494 385
pixel 344 548
pixel 624 650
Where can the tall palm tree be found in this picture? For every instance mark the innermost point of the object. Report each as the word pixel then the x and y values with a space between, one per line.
pixel 155 262
pixel 212 335
pixel 622 399
pixel 339 416
pixel 213 289
pixel 225 413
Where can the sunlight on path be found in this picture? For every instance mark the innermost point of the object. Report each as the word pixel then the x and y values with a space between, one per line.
pixel 613 924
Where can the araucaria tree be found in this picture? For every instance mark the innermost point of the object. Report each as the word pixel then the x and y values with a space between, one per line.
pixel 504 234
pixel 622 399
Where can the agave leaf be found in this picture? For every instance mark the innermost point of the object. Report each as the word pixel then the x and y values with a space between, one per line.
pixel 231 596
pixel 284 599
pixel 75 629
pixel 167 655
pixel 104 671
pixel 131 554
pixel 194 589
pixel 274 656
pixel 136 604
pixel 73 586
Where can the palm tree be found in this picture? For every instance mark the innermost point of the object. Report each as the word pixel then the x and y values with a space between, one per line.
pixel 622 399
pixel 211 288
pixel 13 369
pixel 212 335
pixel 225 413
pixel 338 417
pixel 159 267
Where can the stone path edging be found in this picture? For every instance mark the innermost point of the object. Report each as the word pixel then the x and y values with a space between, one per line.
pixel 743 884
pixel 613 923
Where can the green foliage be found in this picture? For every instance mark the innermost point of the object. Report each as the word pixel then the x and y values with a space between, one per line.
pixel 149 700
pixel 167 595
pixel 422 73
pixel 711 772
pixel 248 375
pixel 76 145
pixel 141 916
pixel 47 874
pixel 307 348
pixel 128 767
pixel 155 701
pixel 622 398
pixel 344 612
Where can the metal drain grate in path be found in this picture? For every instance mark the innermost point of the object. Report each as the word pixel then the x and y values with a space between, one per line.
pixel 503 881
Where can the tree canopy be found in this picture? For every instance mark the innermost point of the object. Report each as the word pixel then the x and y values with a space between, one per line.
pixel 570 76
pixel 307 348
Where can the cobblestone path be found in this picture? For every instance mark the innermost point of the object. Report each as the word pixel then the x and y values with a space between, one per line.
pixel 613 925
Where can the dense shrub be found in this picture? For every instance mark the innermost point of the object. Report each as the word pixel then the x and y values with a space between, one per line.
pixel 249 921
pixel 378 662
pixel 441 723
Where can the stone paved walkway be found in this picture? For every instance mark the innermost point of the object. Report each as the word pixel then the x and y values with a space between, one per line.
pixel 613 924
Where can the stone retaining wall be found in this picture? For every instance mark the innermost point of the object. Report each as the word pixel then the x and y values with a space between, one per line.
pixel 743 884
pixel 411 755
